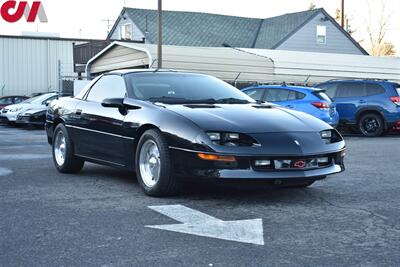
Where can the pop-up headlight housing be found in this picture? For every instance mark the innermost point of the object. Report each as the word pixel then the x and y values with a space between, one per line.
pixel 231 139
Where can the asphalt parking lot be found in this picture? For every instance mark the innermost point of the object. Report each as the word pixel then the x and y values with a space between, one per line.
pixel 99 217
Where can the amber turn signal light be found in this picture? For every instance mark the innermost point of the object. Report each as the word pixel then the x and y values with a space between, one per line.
pixel 213 157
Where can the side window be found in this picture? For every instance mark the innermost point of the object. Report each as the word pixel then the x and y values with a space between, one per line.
pixel 293 95
pixel 374 89
pixel 18 99
pixel 351 89
pixel 126 32
pixel 277 95
pixel 321 34
pixel 256 94
pixel 109 86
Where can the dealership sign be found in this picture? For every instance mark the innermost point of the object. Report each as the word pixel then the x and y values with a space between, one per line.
pixel 13 11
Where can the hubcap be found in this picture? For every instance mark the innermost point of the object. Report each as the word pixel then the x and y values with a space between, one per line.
pixel 59 148
pixel 149 163
pixel 370 125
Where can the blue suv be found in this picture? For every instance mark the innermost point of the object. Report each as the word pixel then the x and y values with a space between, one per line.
pixel 309 100
pixel 372 107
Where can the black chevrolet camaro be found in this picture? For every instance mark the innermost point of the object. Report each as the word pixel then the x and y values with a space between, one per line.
pixel 168 126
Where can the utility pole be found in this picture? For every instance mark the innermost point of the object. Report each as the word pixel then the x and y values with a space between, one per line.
pixel 159 45
pixel 342 15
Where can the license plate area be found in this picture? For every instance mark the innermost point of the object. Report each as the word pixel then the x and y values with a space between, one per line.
pixel 292 163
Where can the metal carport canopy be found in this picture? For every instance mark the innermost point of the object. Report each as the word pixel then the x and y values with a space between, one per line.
pixel 225 63
pixel 299 67
pixel 247 65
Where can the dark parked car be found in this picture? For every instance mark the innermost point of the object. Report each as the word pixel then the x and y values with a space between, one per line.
pixel 371 107
pixel 10 100
pixel 34 117
pixel 170 125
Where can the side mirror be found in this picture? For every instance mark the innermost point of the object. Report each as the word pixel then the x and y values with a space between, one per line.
pixel 118 103
pixel 113 103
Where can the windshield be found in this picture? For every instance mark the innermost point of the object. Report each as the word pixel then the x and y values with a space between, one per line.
pixel 38 99
pixel 173 88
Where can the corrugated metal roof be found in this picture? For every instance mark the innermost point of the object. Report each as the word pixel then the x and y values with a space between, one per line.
pixel 225 63
pixel 250 65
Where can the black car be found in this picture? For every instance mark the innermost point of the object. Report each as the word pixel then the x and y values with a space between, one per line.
pixel 33 117
pixel 169 125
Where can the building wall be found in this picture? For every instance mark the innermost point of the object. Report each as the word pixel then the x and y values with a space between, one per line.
pixel 137 34
pixel 29 65
pixel 305 39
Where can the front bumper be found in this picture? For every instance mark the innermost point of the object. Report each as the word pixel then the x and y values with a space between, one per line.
pixel 3 119
pixel 188 165
pixel 10 117
pixel 38 120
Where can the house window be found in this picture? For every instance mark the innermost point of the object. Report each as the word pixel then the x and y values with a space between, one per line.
pixel 321 34
pixel 126 31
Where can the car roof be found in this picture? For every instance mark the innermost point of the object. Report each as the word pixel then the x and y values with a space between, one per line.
pixel 13 96
pixel 290 87
pixel 357 80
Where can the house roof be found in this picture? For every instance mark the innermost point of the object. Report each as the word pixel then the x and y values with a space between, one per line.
pixel 184 28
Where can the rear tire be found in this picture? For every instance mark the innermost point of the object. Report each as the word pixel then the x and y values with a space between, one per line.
pixel 63 152
pixel 154 165
pixel 371 125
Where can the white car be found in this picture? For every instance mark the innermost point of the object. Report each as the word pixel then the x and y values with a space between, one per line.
pixel 10 113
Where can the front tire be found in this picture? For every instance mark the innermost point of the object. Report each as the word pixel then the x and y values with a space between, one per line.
pixel 63 152
pixel 154 165
pixel 371 125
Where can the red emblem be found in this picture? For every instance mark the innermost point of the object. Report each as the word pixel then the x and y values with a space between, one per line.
pixel 300 164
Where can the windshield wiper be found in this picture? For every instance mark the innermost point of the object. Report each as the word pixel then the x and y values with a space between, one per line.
pixel 168 99
pixel 181 100
pixel 231 100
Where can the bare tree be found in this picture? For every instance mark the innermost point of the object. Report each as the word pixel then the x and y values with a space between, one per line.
pixel 378 45
pixel 311 6
pixel 347 19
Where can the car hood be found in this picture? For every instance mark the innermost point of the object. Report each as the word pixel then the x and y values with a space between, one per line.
pixel 248 118
pixel 33 110
pixel 24 106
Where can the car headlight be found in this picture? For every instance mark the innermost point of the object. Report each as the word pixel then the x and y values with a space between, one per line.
pixel 231 139
pixel 15 109
pixel 331 136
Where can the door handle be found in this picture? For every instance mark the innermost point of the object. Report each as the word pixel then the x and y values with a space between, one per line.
pixel 78 111
pixel 362 101
pixel 289 106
